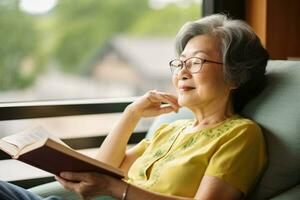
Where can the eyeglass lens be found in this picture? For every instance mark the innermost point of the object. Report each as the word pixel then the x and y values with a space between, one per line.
pixel 193 65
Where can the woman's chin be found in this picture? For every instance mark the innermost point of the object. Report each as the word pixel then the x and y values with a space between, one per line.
pixel 183 102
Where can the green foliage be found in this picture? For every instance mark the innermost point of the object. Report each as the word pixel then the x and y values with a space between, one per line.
pixel 86 25
pixel 18 41
pixel 70 34
pixel 164 22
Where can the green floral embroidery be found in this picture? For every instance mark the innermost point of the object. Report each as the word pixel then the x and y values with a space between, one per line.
pixel 216 132
pixel 172 138
pixel 155 174
pixel 158 153
pixel 190 142
pixel 208 133
pixel 169 158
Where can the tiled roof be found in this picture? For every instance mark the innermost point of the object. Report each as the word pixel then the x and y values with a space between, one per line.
pixel 150 56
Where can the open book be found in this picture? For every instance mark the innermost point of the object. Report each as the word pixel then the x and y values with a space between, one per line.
pixel 40 149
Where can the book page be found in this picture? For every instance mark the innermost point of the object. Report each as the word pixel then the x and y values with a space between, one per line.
pixel 28 137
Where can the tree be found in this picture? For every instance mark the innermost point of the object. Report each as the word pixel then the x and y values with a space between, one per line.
pixel 83 26
pixel 18 39
pixel 72 33
pixel 164 22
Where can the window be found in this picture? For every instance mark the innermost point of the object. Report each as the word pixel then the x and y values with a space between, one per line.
pixel 83 49
pixel 78 49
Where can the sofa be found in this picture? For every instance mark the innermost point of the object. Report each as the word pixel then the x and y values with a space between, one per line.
pixel 277 111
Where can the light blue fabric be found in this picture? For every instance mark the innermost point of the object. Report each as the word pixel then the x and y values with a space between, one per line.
pixel 183 113
pixel 49 189
pixel 12 192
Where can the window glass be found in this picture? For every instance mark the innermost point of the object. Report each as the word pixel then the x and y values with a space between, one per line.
pixel 73 49
pixel 71 126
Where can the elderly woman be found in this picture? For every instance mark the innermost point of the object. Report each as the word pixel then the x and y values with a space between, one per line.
pixel 218 155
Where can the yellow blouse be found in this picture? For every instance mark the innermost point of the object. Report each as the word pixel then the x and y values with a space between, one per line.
pixel 173 162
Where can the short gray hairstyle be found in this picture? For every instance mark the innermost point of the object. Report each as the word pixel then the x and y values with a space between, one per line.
pixel 244 57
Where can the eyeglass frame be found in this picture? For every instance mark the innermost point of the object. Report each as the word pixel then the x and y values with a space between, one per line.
pixel 203 61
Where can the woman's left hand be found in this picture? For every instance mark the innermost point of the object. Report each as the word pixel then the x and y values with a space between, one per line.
pixel 89 184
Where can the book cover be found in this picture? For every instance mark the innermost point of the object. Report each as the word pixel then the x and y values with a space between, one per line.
pixel 38 148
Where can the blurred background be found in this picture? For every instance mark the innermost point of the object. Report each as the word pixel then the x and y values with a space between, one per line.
pixel 78 49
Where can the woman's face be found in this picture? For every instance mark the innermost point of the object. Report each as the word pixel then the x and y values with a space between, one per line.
pixel 207 86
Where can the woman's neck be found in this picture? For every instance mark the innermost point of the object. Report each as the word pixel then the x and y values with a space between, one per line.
pixel 213 114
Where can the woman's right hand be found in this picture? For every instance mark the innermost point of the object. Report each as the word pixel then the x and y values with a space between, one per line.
pixel 150 104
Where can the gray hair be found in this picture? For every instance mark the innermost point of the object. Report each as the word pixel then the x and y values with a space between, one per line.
pixel 244 57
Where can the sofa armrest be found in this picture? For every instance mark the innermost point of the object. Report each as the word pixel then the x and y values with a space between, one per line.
pixel 54 188
pixel 291 194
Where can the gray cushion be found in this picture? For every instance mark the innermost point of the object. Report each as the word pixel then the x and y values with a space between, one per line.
pixel 183 113
pixel 277 110
pixel 293 193
pixel 54 188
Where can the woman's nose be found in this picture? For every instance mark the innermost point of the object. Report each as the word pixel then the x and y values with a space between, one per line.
pixel 184 73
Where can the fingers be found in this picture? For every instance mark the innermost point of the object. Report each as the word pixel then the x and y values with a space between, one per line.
pixel 66 184
pixel 86 184
pixel 72 176
pixel 173 101
pixel 77 176
pixel 80 188
pixel 166 109
pixel 150 104
pixel 162 97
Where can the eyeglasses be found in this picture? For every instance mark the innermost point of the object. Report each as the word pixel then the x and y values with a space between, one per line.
pixel 192 64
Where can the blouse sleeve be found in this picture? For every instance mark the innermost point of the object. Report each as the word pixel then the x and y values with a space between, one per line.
pixel 142 145
pixel 241 159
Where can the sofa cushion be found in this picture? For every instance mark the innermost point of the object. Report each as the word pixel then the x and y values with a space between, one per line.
pixel 277 110
pixel 55 188
pixel 291 194
pixel 183 113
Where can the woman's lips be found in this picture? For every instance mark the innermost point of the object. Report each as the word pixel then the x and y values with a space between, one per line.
pixel 186 88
